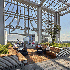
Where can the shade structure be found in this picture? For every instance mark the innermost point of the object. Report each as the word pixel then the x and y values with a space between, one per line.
pixel 35 15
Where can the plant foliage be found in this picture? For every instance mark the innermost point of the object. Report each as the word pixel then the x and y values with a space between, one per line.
pixel 4 48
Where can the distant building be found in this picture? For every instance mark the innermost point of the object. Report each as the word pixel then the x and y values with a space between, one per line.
pixel 14 37
pixel 31 38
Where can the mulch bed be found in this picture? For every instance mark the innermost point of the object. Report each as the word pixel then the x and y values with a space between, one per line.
pixel 34 57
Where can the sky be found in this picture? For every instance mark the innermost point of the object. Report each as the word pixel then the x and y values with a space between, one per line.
pixel 65 27
pixel 64 23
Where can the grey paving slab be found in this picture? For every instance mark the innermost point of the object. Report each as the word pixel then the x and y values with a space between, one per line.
pixel 54 68
pixel 35 66
pixel 52 64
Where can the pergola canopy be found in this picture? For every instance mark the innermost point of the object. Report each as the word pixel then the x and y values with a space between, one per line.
pixel 46 14
pixel 49 5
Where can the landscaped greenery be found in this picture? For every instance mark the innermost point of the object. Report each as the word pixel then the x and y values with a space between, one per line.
pixel 55 30
pixel 4 48
pixel 58 44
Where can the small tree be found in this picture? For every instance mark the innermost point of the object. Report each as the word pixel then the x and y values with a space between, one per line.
pixel 54 31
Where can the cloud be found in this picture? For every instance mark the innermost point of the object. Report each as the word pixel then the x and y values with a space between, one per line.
pixel 63 34
pixel 15 18
pixel 68 35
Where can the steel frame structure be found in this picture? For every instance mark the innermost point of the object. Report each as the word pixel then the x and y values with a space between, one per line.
pixel 43 24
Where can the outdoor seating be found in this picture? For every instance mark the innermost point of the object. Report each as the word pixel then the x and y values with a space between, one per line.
pixel 23 52
pixel 22 44
pixel 39 51
pixel 44 51
pixel 36 47
pixel 49 51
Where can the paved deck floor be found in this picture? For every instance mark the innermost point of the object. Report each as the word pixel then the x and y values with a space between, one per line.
pixel 60 63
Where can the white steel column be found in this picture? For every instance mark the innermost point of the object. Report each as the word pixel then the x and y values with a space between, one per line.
pixel 56 22
pixel 5 34
pixel 2 41
pixel 59 25
pixel 39 17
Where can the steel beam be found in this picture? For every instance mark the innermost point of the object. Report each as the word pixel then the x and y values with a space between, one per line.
pixel 56 23
pixel 59 25
pixel 42 1
pixel 61 14
pixel 63 9
pixel 39 17
pixel 31 3
pixel 61 1
pixel 25 34
pixel 28 2
pixel 48 9
pixel 46 35
pixel 28 19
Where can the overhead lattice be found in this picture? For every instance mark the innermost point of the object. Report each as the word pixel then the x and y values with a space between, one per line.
pixel 17 12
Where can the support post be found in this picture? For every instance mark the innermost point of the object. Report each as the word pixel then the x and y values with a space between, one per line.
pixel 39 22
pixel 17 13
pixel 28 22
pixel 56 22
pixel 59 25
pixel 2 40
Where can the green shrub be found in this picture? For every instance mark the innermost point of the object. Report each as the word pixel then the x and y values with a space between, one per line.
pixel 4 48
pixel 7 45
pixel 57 44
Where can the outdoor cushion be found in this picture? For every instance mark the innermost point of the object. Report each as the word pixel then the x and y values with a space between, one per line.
pixel 39 51
pixel 25 53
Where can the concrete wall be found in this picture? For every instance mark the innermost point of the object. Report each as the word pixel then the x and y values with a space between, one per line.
pixel 1 22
